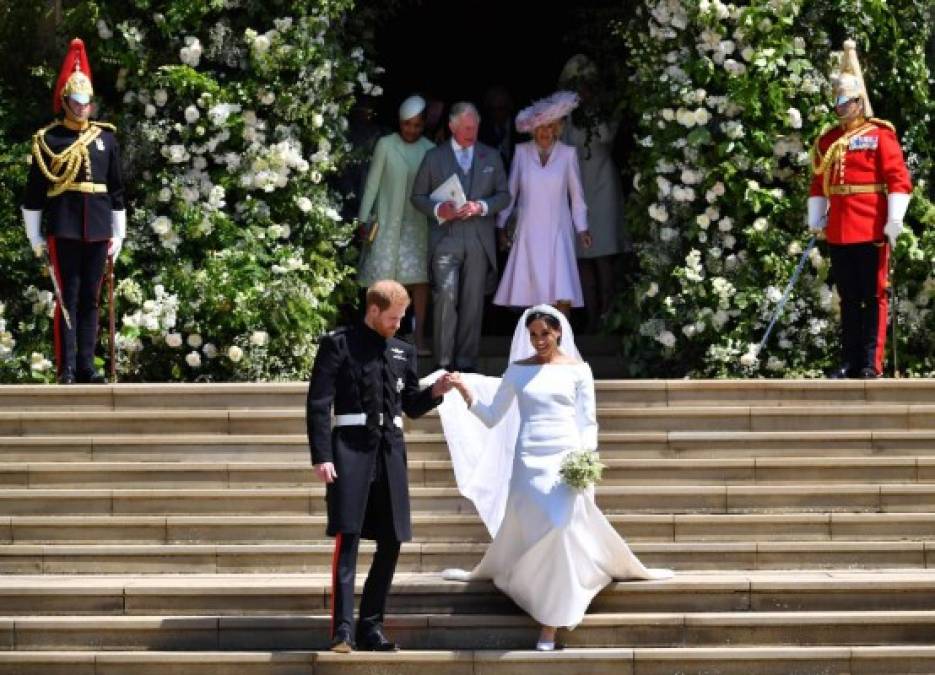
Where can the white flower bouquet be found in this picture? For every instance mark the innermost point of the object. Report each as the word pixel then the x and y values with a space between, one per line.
pixel 581 469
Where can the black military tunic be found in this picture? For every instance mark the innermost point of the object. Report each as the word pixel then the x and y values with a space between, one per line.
pixel 84 212
pixel 359 371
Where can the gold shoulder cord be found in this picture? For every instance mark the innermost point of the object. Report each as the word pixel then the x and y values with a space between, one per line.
pixel 62 168
pixel 835 156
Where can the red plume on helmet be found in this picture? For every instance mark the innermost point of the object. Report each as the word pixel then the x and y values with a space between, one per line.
pixel 75 60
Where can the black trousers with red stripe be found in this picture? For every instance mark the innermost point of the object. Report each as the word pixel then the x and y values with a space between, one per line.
pixel 382 569
pixel 861 274
pixel 80 267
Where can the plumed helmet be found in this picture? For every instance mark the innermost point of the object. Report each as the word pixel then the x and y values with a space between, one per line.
pixel 74 78
pixel 849 82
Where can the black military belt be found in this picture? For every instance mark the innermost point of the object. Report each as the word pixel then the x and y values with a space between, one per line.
pixel 362 420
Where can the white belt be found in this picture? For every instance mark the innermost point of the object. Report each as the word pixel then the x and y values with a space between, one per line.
pixel 360 419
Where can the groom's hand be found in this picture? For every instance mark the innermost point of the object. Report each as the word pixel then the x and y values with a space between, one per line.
pixel 469 210
pixel 325 472
pixel 442 385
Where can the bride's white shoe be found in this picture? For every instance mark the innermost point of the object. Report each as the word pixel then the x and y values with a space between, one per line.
pixel 545 646
pixel 453 574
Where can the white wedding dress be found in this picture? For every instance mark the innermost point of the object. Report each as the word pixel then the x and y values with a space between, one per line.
pixel 553 550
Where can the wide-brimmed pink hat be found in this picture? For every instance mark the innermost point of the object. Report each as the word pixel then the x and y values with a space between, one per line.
pixel 546 110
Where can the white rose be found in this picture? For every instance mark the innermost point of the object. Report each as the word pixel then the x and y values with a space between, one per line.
pixel 702 117
pixel 666 338
pixel 161 225
pixel 652 290
pixel 318 120
pixel 192 114
pixel 703 221
pixel 725 224
pixel 160 96
pixel 174 340
pixel 194 341
pixel 235 353
pixel 668 114
pixel 267 98
pixel 210 350
pixel 760 224
pixel 261 44
pixel 749 359
pixel 667 234
pixel 259 338
pixel 103 30
pixel 304 204
pixel 193 359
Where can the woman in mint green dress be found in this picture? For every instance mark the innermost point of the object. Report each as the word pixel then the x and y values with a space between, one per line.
pixel 399 250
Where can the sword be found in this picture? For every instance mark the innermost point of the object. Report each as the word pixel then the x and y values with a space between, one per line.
pixel 111 318
pixel 894 309
pixel 785 295
pixel 56 289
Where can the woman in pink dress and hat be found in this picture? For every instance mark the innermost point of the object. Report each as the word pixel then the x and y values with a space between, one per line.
pixel 548 200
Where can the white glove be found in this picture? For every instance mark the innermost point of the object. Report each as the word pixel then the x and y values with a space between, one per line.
pixel 33 220
pixel 817 213
pixel 897 203
pixel 892 230
pixel 120 232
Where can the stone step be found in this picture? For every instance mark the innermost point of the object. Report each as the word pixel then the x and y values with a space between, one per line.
pixel 464 528
pixel 815 417
pixel 875 416
pixel 609 392
pixel 222 447
pixel 661 499
pixel 715 591
pixel 439 473
pixel 839 660
pixel 460 632
pixel 122 556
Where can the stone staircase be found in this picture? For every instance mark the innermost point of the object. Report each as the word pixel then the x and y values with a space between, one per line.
pixel 178 529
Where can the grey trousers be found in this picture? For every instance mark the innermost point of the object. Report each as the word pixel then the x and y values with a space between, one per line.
pixel 459 274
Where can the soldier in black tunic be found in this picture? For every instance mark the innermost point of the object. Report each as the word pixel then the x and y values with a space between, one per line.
pixel 75 183
pixel 370 378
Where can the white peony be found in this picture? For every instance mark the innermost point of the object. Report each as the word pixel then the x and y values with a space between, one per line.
pixel 234 353
pixel 174 340
pixel 193 359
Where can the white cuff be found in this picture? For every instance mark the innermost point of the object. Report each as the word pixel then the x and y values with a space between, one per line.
pixel 817 213
pixel 435 213
pixel 483 207
pixel 33 222
pixel 119 223
pixel 897 204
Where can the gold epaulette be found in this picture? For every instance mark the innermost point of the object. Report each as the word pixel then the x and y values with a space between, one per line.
pixel 104 125
pixel 883 123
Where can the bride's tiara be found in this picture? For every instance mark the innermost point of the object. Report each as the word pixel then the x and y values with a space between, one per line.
pixel 545 309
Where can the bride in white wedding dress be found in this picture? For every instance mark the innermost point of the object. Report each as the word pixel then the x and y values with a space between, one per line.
pixel 552 550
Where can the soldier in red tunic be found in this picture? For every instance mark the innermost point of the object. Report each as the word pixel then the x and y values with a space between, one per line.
pixel 74 207
pixel 859 195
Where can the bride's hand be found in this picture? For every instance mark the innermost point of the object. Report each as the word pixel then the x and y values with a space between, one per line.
pixel 458 383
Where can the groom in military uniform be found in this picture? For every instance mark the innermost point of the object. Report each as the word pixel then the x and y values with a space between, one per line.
pixel 370 378
pixel 75 181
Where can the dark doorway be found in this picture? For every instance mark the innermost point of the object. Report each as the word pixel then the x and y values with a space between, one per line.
pixel 457 51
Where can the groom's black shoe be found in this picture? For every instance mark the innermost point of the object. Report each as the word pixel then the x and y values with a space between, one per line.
pixel 342 642
pixel 376 641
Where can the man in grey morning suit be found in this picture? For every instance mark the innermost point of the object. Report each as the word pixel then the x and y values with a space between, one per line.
pixel 462 249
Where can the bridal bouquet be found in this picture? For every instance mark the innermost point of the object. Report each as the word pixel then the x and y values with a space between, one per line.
pixel 581 469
